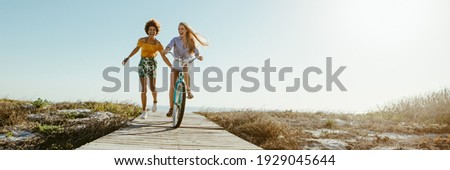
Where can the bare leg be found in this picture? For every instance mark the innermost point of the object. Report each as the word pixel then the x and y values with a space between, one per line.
pixel 186 77
pixel 153 89
pixel 173 77
pixel 143 81
pixel 187 80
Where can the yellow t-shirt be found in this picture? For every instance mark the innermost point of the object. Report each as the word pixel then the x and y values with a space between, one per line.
pixel 149 50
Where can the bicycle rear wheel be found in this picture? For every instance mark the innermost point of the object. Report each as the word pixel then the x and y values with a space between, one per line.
pixel 179 104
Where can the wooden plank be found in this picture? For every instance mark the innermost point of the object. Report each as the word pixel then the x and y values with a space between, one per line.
pixel 156 132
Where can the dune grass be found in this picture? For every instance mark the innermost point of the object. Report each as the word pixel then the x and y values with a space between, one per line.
pixel 260 128
pixel 61 132
pixel 431 108
pixel 425 114
pixel 14 112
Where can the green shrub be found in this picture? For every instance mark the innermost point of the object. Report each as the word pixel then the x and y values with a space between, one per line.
pixel 40 103
pixel 49 129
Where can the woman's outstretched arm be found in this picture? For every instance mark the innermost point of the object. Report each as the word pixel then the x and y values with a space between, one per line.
pixel 166 60
pixel 135 50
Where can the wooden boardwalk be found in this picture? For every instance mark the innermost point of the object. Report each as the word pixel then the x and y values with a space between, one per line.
pixel 156 132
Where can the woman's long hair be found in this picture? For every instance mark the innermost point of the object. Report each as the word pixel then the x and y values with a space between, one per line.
pixel 189 39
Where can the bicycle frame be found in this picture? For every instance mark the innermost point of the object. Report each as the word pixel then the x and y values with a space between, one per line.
pixel 175 92
pixel 179 98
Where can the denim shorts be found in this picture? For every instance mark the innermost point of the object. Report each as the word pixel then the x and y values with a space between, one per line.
pixel 178 65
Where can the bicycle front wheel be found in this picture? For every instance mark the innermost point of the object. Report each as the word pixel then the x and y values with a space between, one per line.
pixel 179 104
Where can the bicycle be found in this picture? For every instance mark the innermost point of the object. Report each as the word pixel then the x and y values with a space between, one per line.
pixel 179 97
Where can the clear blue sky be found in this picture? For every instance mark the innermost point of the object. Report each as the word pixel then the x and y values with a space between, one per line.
pixel 392 49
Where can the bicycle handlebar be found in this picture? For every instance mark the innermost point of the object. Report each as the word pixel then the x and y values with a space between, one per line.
pixel 189 61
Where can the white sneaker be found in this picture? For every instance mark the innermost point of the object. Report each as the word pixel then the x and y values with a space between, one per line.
pixel 154 107
pixel 144 115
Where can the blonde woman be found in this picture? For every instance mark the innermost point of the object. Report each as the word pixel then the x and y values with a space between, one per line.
pixel 184 48
pixel 147 66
